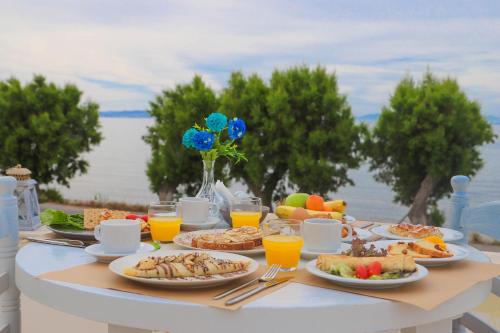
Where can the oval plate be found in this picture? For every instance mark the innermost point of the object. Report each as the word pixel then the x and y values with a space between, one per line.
pixel 367 284
pixel 449 235
pixel 184 240
pixel 459 253
pixel 117 266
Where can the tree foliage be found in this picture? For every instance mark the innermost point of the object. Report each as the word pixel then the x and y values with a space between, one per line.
pixel 429 132
pixel 300 131
pixel 175 110
pixel 46 129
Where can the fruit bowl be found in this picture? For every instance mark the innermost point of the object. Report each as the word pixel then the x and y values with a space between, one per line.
pixel 225 212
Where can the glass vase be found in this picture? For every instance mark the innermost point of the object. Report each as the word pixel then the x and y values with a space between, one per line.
pixel 207 189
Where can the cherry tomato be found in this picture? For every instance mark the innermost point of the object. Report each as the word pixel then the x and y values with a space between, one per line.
pixel 131 217
pixel 375 268
pixel 361 272
pixel 144 218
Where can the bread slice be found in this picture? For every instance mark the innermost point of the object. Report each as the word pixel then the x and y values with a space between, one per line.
pixel 404 249
pixel 434 250
pixel 244 238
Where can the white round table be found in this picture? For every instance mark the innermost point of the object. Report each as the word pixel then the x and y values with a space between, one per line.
pixel 294 308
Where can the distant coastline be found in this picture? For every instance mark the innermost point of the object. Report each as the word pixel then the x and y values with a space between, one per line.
pixel 368 118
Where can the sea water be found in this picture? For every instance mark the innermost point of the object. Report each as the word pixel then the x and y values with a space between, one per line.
pixel 118 165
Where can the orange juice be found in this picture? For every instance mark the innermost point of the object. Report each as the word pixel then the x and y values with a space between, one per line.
pixel 245 218
pixel 164 228
pixel 283 250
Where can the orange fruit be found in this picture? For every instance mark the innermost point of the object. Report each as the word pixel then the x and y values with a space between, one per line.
pixel 315 202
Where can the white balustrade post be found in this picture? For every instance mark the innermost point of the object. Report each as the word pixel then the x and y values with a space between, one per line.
pixel 10 316
pixel 459 201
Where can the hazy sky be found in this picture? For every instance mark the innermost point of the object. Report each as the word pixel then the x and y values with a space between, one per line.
pixel 121 53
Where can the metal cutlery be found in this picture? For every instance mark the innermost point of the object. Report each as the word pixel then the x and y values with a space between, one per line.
pixel 60 242
pixel 267 276
pixel 256 290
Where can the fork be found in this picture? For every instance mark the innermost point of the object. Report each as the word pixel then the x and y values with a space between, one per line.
pixel 267 276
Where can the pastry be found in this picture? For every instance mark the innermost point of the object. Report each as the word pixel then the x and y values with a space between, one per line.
pixel 430 247
pixel 184 265
pixel 390 264
pixel 414 230
pixel 243 238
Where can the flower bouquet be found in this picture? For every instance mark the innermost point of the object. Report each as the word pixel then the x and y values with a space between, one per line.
pixel 211 144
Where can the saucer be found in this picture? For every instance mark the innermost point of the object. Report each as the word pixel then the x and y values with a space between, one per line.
pixel 210 223
pixel 309 255
pixel 97 251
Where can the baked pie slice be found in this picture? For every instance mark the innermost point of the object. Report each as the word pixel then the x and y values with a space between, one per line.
pixel 195 264
pixel 415 230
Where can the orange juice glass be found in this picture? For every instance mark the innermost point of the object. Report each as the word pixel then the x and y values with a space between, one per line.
pixel 283 242
pixel 164 220
pixel 246 212
pixel 245 218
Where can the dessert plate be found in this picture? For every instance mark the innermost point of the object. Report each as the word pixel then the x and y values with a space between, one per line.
pixel 449 235
pixel 309 255
pixel 367 284
pixel 184 240
pixel 459 253
pixel 98 252
pixel 118 265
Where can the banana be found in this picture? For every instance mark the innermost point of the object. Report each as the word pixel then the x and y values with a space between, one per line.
pixel 338 205
pixel 285 212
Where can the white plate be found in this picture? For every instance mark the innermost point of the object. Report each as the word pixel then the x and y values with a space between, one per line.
pixel 118 265
pixel 98 252
pixel 82 234
pixel 209 224
pixel 309 255
pixel 184 240
pixel 459 253
pixel 367 284
pixel 362 234
pixel 449 235
pixel 349 219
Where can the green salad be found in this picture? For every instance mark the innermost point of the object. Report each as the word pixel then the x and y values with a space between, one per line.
pixel 61 220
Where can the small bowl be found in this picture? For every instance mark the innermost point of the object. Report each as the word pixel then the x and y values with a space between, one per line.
pixel 227 217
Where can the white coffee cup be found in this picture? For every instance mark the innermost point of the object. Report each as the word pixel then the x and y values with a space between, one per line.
pixel 119 236
pixel 323 235
pixel 196 210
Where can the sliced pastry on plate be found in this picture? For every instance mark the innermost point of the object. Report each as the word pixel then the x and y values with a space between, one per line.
pixel 430 247
pixel 194 264
pixel 414 230
pixel 243 238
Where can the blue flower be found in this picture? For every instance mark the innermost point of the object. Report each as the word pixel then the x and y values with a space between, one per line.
pixel 187 138
pixel 216 121
pixel 236 129
pixel 203 141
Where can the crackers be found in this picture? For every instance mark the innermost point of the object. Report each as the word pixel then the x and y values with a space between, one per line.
pixel 93 216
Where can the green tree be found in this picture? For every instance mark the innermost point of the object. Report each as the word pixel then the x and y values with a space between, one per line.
pixel 46 129
pixel 174 169
pixel 429 132
pixel 300 131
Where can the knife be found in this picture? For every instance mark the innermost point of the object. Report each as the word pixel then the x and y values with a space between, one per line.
pixel 54 242
pixel 257 290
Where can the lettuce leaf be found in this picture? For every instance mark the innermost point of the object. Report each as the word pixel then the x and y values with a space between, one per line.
pixel 60 219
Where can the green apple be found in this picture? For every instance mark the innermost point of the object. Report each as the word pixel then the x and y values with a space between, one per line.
pixel 296 200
